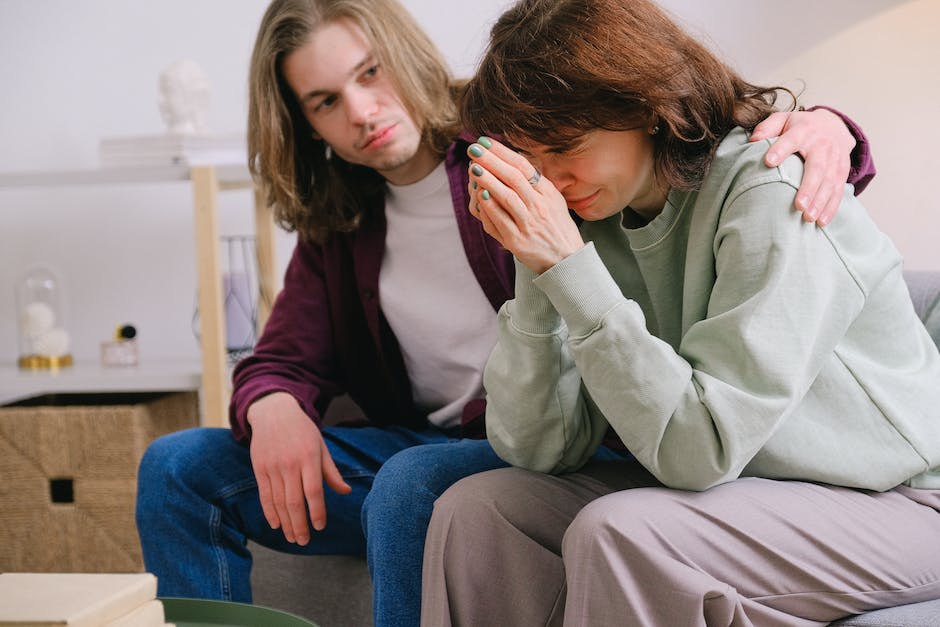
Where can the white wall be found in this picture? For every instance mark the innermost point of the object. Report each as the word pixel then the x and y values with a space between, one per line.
pixel 73 72
pixel 883 71
pixel 873 59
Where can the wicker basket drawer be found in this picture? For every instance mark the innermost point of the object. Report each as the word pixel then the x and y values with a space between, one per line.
pixel 69 469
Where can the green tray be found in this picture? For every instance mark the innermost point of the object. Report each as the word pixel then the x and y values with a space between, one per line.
pixel 205 613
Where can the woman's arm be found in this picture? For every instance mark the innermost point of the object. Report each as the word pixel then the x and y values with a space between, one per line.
pixel 697 412
pixel 537 416
pixel 586 351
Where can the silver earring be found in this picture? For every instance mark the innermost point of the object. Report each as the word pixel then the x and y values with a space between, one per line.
pixel 329 152
pixel 655 130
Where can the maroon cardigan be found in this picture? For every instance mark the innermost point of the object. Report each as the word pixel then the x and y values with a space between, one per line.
pixel 326 335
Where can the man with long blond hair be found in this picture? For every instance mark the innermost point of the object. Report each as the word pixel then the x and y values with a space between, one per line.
pixel 390 297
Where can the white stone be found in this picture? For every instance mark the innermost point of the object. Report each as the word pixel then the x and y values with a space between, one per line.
pixel 53 343
pixel 38 318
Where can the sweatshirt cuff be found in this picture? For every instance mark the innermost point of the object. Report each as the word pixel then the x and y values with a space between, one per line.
pixel 531 311
pixel 581 289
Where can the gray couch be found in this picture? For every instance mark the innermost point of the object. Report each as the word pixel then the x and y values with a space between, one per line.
pixel 334 591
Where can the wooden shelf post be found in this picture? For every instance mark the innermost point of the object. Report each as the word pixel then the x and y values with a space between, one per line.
pixel 215 379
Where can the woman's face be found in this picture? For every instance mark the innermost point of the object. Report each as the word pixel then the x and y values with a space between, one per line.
pixel 603 173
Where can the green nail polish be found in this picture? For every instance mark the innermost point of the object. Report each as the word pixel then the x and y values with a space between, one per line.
pixel 475 185
pixel 475 150
pixel 486 194
pixel 477 170
pixel 485 142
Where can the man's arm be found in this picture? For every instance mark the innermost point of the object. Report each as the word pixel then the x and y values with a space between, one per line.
pixel 835 151
pixel 295 352
pixel 280 393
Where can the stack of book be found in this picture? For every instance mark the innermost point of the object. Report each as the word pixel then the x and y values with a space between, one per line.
pixel 79 600
pixel 173 149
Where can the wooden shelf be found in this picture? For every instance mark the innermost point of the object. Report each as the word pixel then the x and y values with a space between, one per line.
pixel 206 181
pixel 90 377
pixel 229 176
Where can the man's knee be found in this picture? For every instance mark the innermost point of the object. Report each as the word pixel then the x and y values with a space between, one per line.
pixel 184 456
pixel 159 457
pixel 407 479
pixel 421 472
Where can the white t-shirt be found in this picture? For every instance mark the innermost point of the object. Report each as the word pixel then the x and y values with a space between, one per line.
pixel 444 323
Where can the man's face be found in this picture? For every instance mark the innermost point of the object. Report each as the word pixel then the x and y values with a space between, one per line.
pixel 351 103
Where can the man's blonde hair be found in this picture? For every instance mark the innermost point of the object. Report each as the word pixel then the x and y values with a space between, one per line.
pixel 310 193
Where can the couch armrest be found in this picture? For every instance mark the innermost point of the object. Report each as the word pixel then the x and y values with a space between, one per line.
pixel 924 287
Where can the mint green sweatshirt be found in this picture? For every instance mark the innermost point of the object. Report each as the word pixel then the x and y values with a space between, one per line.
pixel 725 338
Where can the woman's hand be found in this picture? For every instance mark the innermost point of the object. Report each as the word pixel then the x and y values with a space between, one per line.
pixel 825 144
pixel 520 208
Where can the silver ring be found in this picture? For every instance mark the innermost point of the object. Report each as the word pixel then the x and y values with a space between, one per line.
pixel 535 178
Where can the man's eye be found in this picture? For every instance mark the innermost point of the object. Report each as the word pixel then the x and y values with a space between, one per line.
pixel 326 103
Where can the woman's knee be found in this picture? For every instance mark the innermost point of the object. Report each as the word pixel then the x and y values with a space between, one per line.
pixel 495 496
pixel 629 518
pixel 627 511
pixel 591 525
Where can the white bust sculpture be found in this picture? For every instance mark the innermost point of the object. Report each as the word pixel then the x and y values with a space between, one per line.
pixel 184 98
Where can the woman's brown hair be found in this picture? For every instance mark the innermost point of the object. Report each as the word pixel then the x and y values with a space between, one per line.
pixel 310 193
pixel 556 69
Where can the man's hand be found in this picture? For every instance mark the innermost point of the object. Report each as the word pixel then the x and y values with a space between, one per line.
pixel 291 463
pixel 825 144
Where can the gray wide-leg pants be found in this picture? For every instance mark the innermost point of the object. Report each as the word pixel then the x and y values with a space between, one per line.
pixel 610 546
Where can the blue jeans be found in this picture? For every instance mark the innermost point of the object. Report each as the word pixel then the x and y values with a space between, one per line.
pixel 197 505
